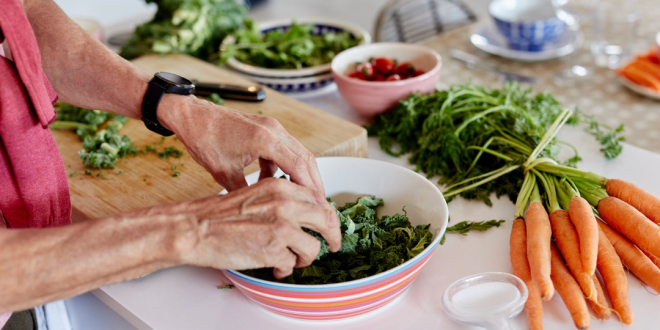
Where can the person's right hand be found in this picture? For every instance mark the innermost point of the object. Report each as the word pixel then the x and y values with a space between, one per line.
pixel 256 227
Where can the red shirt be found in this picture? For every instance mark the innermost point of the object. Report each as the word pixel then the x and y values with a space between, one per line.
pixel 35 191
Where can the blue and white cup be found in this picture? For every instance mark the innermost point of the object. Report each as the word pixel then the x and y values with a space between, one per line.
pixel 527 25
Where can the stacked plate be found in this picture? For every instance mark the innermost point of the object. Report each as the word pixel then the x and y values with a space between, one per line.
pixel 297 80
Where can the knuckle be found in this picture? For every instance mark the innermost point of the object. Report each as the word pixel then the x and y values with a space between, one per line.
pixel 331 220
pixel 299 164
pixel 269 183
pixel 310 157
pixel 262 134
pixel 271 122
pixel 281 228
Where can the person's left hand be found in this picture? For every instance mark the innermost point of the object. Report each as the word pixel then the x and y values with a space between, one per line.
pixel 225 141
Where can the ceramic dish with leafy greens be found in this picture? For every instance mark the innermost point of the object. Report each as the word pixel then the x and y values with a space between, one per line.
pixel 289 48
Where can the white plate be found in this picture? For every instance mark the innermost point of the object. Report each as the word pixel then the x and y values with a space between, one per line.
pixel 644 91
pixel 486 38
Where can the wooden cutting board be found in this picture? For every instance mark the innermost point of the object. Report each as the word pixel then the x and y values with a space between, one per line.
pixel 147 180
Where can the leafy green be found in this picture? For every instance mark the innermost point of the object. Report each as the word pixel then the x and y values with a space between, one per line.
pixel 84 122
pixel 464 227
pixel 294 48
pixel 370 245
pixel 470 134
pixel 170 152
pixel 215 98
pixel 193 27
pixel 105 149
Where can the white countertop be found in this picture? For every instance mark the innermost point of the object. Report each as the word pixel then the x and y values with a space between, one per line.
pixel 187 298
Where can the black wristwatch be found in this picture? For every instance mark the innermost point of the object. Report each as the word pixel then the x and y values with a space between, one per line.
pixel 161 83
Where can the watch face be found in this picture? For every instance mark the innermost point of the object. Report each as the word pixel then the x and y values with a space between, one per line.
pixel 174 79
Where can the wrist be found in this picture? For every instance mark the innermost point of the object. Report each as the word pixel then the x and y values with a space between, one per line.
pixel 179 238
pixel 172 108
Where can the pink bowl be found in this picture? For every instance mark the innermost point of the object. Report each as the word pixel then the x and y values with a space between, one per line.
pixel 373 97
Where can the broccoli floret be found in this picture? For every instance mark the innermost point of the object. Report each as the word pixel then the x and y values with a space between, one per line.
pixel 105 149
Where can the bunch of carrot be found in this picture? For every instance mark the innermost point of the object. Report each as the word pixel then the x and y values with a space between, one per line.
pixel 563 249
pixel 583 224
pixel 644 70
pixel 571 226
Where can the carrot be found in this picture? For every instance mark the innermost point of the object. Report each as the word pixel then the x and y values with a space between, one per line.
pixel 648 66
pixel 601 308
pixel 639 76
pixel 654 55
pixel 518 255
pixel 633 258
pixel 653 258
pixel 631 224
pixel 569 291
pixel 568 244
pixel 567 241
pixel 634 195
pixel 539 236
pixel 587 229
pixel 614 276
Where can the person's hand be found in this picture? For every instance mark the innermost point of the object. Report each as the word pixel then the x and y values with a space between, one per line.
pixel 256 227
pixel 225 141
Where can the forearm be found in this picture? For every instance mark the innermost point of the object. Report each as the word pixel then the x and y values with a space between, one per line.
pixel 42 265
pixel 81 69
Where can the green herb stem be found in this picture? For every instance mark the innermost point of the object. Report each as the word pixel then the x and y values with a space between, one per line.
pixel 499 173
pixel 494 153
pixel 523 197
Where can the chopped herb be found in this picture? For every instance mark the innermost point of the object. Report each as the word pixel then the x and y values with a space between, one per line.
pixel 100 175
pixel 88 172
pixel 170 152
pixel 215 98
pixel 370 245
pixel 261 112
pixel 162 140
pixel 176 174
pixel 119 172
pixel 72 174
pixel 464 227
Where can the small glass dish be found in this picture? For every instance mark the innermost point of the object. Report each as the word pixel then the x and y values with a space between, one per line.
pixel 487 300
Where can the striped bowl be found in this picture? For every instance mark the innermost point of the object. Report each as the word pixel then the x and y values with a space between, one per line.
pixel 345 179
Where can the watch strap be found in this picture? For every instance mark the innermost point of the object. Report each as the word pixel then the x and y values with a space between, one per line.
pixel 152 97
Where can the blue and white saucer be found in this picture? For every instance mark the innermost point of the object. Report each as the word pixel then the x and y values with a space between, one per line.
pixel 486 37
